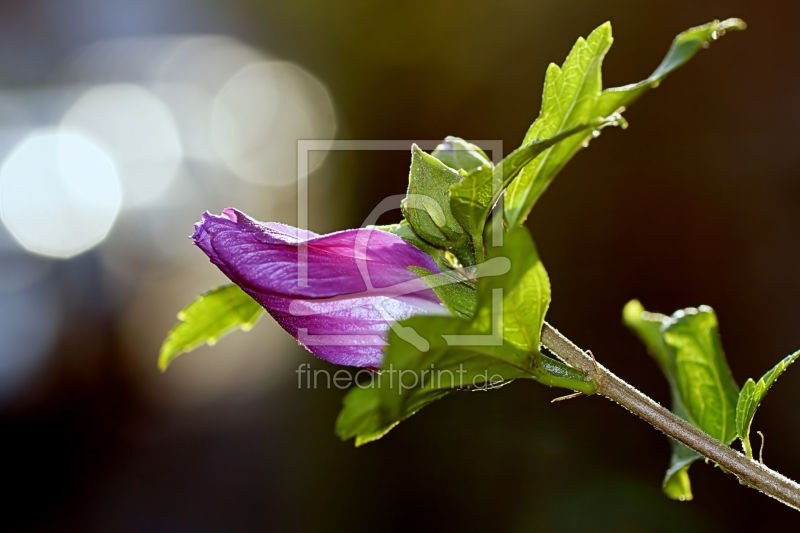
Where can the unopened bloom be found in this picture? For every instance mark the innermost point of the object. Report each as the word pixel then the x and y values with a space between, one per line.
pixel 337 294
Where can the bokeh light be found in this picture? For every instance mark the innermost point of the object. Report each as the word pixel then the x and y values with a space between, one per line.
pixel 18 268
pixel 59 193
pixel 138 129
pixel 262 112
pixel 194 123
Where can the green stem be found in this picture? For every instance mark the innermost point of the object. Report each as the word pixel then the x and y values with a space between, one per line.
pixel 547 378
pixel 477 243
pixel 748 449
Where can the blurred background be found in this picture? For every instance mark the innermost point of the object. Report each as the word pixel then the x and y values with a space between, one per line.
pixel 122 121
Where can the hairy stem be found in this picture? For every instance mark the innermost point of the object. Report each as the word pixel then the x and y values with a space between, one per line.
pixel 749 472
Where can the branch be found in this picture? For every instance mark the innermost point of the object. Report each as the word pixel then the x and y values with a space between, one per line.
pixel 749 472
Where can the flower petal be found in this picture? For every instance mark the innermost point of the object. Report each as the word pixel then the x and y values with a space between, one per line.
pixel 355 283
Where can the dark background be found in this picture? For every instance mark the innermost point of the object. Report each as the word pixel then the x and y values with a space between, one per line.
pixel 691 205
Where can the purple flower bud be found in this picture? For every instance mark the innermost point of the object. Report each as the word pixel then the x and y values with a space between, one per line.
pixel 337 294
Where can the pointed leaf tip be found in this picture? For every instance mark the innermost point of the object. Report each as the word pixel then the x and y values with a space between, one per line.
pixel 207 319
pixel 574 94
pixel 427 206
pixel 752 395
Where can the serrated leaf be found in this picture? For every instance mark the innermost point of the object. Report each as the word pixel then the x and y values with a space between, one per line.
pixel 683 48
pixel 752 395
pixel 648 327
pixel 569 99
pixel 500 343
pixel 572 95
pixel 472 198
pixel 361 415
pixel 427 206
pixel 207 319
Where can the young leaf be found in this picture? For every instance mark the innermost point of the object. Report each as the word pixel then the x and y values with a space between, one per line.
pixel 647 326
pixel 472 198
pixel 204 321
pixel 752 395
pixel 683 48
pixel 427 206
pixel 500 343
pixel 572 95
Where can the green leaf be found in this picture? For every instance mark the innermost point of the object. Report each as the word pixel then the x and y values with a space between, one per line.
pixel 706 385
pixel 427 206
pixel 678 486
pixel 752 395
pixel 572 95
pixel 207 319
pixel 688 350
pixel 683 48
pixel 361 414
pixel 647 326
pixel 472 199
pixel 459 154
pixel 500 343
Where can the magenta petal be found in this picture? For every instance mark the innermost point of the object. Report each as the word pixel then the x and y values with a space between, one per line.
pixel 340 301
